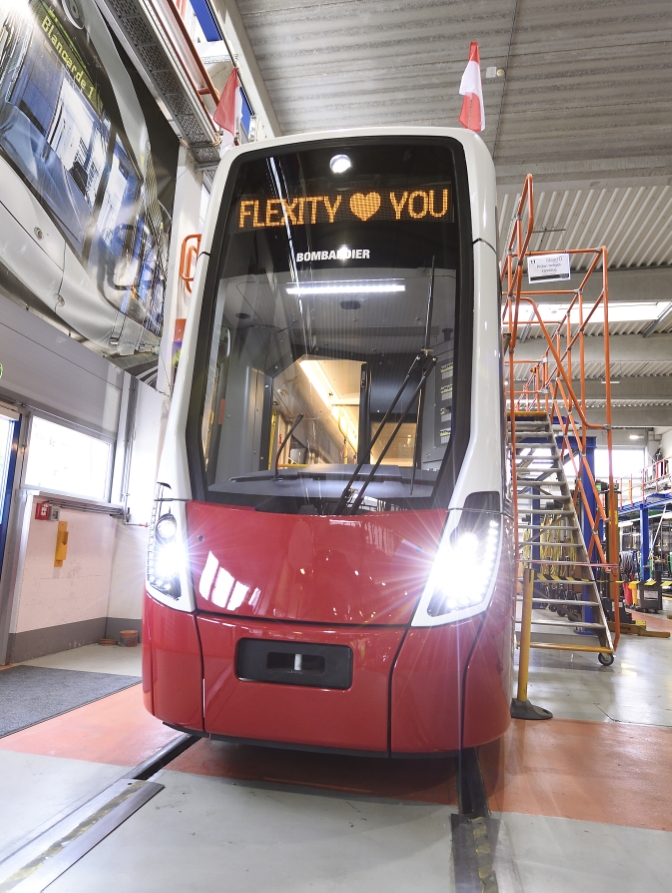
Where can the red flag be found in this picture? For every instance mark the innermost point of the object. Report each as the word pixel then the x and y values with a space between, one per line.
pixel 228 108
pixel 472 115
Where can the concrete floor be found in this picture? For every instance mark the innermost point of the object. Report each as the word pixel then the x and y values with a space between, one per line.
pixel 239 837
pixel 635 689
pixel 94 659
pixel 585 798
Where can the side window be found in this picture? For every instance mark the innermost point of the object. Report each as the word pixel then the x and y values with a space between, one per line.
pixel 68 461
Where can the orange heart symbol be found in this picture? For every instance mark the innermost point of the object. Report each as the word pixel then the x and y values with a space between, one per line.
pixel 364 206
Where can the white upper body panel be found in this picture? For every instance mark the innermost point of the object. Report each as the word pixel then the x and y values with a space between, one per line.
pixel 484 451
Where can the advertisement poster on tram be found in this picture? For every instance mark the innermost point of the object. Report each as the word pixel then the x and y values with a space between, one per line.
pixel 85 197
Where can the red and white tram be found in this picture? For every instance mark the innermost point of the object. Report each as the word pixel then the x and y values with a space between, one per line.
pixel 331 560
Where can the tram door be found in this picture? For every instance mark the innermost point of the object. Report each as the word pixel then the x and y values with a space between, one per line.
pixel 9 442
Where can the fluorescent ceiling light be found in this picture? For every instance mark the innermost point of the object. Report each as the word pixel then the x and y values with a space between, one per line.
pixel 346 288
pixel 620 312
pixel 636 437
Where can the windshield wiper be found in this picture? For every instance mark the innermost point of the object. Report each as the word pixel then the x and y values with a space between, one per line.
pixel 425 361
pixel 297 421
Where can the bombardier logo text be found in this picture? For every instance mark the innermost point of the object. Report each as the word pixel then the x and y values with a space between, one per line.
pixel 342 254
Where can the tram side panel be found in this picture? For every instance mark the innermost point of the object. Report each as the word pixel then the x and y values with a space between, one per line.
pixel 174 666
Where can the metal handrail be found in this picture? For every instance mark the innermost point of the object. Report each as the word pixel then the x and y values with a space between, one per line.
pixel 645 484
pixel 549 387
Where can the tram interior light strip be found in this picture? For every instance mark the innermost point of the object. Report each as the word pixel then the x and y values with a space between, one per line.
pixel 346 288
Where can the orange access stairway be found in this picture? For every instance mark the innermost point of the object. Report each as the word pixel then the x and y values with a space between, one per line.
pixel 548 432
pixel 566 594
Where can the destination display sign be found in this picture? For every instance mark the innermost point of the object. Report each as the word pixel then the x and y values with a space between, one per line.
pixel 356 207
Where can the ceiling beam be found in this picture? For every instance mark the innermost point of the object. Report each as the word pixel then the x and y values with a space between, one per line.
pixel 622 348
pixel 647 284
pixel 594 173
pixel 634 417
pixel 658 390
pixel 230 21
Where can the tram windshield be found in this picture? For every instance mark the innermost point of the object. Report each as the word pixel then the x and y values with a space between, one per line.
pixel 328 256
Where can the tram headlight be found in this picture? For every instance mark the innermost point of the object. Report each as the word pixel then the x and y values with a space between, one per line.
pixel 166 528
pixel 165 555
pixel 463 575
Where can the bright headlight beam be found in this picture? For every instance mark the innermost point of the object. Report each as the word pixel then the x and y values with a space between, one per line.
pixel 167 560
pixel 462 577
pixel 346 288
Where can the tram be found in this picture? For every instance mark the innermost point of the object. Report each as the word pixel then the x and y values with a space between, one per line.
pixel 331 559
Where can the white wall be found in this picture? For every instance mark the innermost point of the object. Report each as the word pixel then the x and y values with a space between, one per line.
pixel 130 548
pixel 54 596
pixel 666 444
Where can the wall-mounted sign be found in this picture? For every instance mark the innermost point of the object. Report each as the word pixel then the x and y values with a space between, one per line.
pixel 358 206
pixel 548 267
pixel 85 224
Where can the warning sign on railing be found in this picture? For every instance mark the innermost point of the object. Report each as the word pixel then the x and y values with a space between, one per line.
pixel 548 267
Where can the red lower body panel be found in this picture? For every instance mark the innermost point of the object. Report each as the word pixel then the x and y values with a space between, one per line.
pixel 176 668
pixel 354 719
pixel 487 711
pixel 426 688
pixel 450 684
pixel 429 683
pixel 147 678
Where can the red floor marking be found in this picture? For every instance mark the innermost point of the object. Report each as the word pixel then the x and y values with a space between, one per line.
pixel 427 781
pixel 604 772
pixel 116 730
pixel 592 771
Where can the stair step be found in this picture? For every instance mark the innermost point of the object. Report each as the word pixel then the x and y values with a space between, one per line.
pixel 538 460
pixel 599 649
pixel 533 432
pixel 562 545
pixel 567 623
pixel 563 601
pixel 536 474
pixel 541 494
pixel 553 512
pixel 561 563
